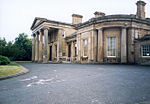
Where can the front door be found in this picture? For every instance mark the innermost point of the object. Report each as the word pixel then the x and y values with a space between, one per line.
pixel 50 53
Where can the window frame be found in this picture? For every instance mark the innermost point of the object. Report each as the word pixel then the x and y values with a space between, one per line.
pixel 142 51
pixel 84 46
pixel 114 56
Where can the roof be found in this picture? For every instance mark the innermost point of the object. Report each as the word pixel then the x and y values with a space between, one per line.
pixel 110 18
pixel 34 25
pixel 95 20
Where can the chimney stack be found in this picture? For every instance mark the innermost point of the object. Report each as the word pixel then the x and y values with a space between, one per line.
pixel 76 19
pixel 140 9
pixel 99 14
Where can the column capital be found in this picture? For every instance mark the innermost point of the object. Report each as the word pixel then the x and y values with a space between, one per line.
pixel 33 35
pixel 100 29
pixel 124 27
pixel 61 29
pixel 46 28
pixel 40 30
pixel 36 33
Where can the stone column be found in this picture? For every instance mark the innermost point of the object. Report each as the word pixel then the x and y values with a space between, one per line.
pixel 37 48
pixel 72 51
pixel 59 45
pixel 45 56
pixel 78 47
pixel 41 46
pixel 100 45
pixel 124 45
pixel 33 48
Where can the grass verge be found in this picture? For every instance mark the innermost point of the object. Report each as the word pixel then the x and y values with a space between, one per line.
pixel 23 61
pixel 10 69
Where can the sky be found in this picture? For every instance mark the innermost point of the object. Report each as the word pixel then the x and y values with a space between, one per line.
pixel 17 16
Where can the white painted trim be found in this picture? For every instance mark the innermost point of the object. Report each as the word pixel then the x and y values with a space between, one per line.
pixel 145 56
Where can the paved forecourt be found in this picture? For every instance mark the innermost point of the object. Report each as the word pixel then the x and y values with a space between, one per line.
pixel 78 84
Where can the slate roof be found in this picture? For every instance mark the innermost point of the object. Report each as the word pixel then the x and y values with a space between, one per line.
pixel 95 20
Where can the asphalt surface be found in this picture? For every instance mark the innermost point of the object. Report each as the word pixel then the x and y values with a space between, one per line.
pixel 78 84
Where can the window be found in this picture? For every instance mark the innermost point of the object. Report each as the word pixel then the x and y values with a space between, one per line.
pixel 146 50
pixel 111 46
pixel 85 47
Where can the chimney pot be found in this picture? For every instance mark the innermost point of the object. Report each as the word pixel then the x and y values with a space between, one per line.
pixel 99 14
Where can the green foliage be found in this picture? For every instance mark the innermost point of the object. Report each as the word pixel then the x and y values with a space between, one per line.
pixel 4 60
pixel 20 50
pixel 3 42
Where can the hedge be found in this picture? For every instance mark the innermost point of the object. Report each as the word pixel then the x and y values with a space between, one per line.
pixel 4 60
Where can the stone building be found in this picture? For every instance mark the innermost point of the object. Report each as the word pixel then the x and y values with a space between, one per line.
pixel 102 39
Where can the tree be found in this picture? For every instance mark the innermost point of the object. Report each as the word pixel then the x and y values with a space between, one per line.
pixel 20 50
pixel 3 44
pixel 24 44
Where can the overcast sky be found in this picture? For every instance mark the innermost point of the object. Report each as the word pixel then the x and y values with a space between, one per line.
pixel 16 16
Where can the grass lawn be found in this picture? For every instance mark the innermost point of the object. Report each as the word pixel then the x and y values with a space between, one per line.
pixel 10 69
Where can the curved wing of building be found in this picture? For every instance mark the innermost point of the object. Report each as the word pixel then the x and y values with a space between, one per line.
pixel 102 39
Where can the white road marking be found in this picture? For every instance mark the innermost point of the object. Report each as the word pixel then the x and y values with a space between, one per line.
pixel 45 81
pixel 31 78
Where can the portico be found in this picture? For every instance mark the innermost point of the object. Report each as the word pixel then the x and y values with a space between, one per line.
pixel 44 42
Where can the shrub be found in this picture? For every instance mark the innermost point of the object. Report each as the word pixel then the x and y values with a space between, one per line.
pixel 4 60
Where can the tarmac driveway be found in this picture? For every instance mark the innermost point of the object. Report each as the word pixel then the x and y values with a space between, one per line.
pixel 78 84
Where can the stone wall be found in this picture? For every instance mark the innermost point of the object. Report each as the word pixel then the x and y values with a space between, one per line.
pixel 112 32
pixel 138 55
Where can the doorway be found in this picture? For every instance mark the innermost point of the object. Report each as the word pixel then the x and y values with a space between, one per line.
pixel 50 53
pixel 69 50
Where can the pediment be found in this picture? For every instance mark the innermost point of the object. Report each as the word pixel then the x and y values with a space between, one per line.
pixel 36 22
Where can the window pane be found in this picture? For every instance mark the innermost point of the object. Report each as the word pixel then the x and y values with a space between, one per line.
pixel 145 50
pixel 85 46
pixel 111 46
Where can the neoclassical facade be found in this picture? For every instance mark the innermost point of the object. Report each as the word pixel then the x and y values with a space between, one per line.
pixel 101 39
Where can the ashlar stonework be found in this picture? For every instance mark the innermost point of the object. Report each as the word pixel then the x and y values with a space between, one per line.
pixel 101 39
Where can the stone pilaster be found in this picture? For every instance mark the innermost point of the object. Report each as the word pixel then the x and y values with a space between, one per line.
pixel 81 48
pixel 33 48
pixel 130 43
pixel 100 45
pixel 45 56
pixel 59 45
pixel 41 46
pixel 37 48
pixel 92 46
pixel 124 45
pixel 89 48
